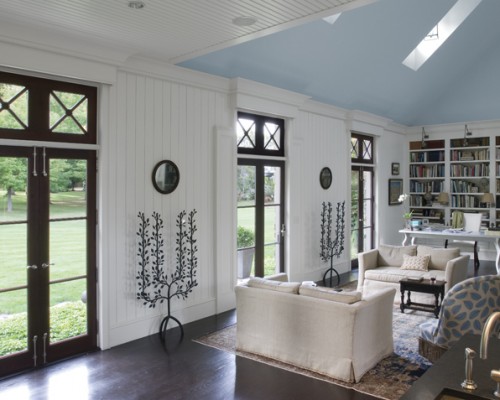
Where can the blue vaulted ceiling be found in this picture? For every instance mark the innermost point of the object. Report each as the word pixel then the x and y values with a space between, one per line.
pixel 356 63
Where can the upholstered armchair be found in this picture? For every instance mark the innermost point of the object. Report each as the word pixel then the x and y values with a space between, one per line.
pixel 465 309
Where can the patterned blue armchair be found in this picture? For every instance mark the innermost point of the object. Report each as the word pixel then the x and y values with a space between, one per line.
pixel 465 309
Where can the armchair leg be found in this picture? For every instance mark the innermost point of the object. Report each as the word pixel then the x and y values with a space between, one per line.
pixel 476 259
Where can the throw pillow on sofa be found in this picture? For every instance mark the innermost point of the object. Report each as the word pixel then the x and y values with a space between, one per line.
pixel 416 263
pixel 285 287
pixel 330 294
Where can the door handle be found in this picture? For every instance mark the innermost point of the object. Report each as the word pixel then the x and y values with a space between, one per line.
pixel 46 265
pixel 32 266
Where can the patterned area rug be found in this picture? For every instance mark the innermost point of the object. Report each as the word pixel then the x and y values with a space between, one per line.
pixel 389 379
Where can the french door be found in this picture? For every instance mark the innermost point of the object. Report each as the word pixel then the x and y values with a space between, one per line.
pixel 260 217
pixel 47 255
pixel 362 198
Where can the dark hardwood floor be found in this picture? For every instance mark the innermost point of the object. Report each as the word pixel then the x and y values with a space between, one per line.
pixel 144 369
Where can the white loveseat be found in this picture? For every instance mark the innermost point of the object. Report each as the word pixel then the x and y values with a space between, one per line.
pixel 315 328
pixel 381 268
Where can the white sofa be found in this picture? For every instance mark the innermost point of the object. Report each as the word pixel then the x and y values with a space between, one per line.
pixel 317 329
pixel 381 268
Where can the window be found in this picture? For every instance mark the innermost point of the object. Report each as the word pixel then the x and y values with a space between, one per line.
pixel 260 191
pixel 361 149
pixel 260 135
pixel 41 109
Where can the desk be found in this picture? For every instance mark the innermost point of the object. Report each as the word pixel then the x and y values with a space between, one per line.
pixel 411 235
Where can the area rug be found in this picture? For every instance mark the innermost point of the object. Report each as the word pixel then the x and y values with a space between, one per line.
pixel 389 379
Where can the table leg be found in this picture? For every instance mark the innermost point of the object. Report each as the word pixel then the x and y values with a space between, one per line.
pixel 405 240
pixel 402 305
pixel 436 307
pixel 497 247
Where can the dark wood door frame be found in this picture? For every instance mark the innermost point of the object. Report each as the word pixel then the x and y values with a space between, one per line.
pixel 38 253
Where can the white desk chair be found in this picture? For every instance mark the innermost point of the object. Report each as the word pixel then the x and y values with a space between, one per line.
pixel 472 223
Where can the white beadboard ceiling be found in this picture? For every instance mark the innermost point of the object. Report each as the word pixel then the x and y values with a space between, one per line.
pixel 356 63
pixel 168 30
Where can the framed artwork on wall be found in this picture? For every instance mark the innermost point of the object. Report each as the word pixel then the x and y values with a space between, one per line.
pixel 395 168
pixel 395 190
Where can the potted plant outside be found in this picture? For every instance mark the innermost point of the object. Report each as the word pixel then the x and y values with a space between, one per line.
pixel 246 251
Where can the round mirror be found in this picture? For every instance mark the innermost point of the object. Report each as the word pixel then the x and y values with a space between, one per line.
pixel 165 176
pixel 325 178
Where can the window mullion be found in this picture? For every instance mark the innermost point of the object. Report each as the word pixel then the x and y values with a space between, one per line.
pixel 259 220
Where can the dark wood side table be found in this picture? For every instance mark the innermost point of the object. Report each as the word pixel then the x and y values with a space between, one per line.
pixel 424 286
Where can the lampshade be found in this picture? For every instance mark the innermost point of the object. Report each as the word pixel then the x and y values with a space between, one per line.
pixel 443 198
pixel 487 198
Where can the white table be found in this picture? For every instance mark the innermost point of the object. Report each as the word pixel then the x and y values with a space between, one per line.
pixel 411 235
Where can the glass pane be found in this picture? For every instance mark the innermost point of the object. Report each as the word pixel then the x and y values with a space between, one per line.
pixel 13 186
pixel 354 200
pixel 272 225
pixel 68 248
pixel 13 106
pixel 367 239
pixel 272 136
pixel 272 185
pixel 68 245
pixel 68 309
pixel 354 244
pixel 271 259
pixel 245 133
pixel 246 185
pixel 68 113
pixel 68 188
pixel 13 321
pixel 246 241
pixel 354 148
pixel 13 255
pixel 367 150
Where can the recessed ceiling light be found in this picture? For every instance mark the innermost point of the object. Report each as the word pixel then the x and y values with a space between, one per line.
pixel 136 5
pixel 244 21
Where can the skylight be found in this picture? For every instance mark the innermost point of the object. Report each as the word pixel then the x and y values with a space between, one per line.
pixel 440 33
pixel 332 18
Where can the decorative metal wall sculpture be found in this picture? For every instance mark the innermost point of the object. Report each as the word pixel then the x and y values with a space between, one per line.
pixel 155 283
pixel 332 246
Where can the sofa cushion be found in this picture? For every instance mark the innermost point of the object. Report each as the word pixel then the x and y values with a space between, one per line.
pixel 285 287
pixel 418 263
pixel 391 274
pixel 330 294
pixel 439 256
pixel 393 255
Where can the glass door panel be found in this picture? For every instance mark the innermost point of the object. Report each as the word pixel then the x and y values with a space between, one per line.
pixel 68 248
pixel 246 220
pixel 13 255
pixel 361 211
pixel 355 214
pixel 273 223
pixel 260 214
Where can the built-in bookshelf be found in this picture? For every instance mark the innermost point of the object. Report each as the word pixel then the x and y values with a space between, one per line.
pixel 497 180
pixel 461 168
pixel 427 178
pixel 469 174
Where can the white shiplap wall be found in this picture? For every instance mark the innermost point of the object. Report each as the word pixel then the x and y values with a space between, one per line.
pixel 319 141
pixel 157 119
